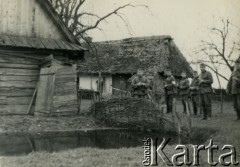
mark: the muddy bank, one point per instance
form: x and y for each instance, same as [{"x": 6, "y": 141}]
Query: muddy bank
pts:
[{"x": 42, "y": 124}]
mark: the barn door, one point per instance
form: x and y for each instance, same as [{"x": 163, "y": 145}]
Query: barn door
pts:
[
  {"x": 45, "y": 91},
  {"x": 119, "y": 82}
]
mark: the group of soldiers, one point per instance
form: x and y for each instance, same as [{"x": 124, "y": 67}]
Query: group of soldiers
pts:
[{"x": 199, "y": 90}]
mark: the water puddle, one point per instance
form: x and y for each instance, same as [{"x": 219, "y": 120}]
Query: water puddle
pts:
[{"x": 24, "y": 143}]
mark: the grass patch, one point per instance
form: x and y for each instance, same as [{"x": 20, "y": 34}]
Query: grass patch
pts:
[{"x": 222, "y": 129}]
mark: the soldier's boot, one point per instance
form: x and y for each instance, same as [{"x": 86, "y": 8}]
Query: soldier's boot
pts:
[
  {"x": 209, "y": 112},
  {"x": 201, "y": 110},
  {"x": 204, "y": 113},
  {"x": 195, "y": 110},
  {"x": 238, "y": 114},
  {"x": 170, "y": 108},
  {"x": 184, "y": 106}
]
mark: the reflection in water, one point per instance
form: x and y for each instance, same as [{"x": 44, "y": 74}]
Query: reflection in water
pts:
[{"x": 22, "y": 143}]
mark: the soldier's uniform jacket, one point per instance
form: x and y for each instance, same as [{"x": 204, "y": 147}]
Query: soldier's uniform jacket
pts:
[
  {"x": 195, "y": 86},
  {"x": 206, "y": 86},
  {"x": 170, "y": 86},
  {"x": 233, "y": 85},
  {"x": 140, "y": 90},
  {"x": 184, "y": 87}
]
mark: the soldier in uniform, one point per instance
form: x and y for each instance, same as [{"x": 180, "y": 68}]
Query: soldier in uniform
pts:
[
  {"x": 170, "y": 90},
  {"x": 205, "y": 90},
  {"x": 233, "y": 87},
  {"x": 184, "y": 91},
  {"x": 140, "y": 85},
  {"x": 194, "y": 92}
]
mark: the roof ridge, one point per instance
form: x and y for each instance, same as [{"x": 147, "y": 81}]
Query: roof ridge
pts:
[{"x": 135, "y": 39}]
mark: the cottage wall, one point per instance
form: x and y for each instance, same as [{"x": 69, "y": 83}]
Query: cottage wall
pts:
[
  {"x": 18, "y": 80},
  {"x": 65, "y": 100},
  {"x": 86, "y": 81},
  {"x": 30, "y": 30},
  {"x": 19, "y": 75}
]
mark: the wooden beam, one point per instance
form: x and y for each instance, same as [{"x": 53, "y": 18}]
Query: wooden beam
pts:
[
  {"x": 19, "y": 54},
  {"x": 13, "y": 109},
  {"x": 12, "y": 71},
  {"x": 46, "y": 60},
  {"x": 32, "y": 100},
  {"x": 19, "y": 66}
]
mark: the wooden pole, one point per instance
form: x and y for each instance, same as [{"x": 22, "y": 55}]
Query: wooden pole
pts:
[
  {"x": 78, "y": 91},
  {"x": 178, "y": 118},
  {"x": 91, "y": 88},
  {"x": 200, "y": 103},
  {"x": 100, "y": 85},
  {"x": 93, "y": 98},
  {"x": 80, "y": 101},
  {"x": 189, "y": 117},
  {"x": 220, "y": 87},
  {"x": 31, "y": 143},
  {"x": 32, "y": 100},
  {"x": 221, "y": 100}
]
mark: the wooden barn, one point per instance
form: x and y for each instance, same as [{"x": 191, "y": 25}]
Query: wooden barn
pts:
[
  {"x": 120, "y": 60},
  {"x": 37, "y": 51}
]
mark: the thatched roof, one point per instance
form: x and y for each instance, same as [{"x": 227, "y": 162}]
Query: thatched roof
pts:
[{"x": 127, "y": 55}]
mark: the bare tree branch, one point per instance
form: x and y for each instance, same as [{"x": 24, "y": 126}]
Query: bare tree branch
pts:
[
  {"x": 219, "y": 52},
  {"x": 213, "y": 47},
  {"x": 115, "y": 12},
  {"x": 73, "y": 15},
  {"x": 214, "y": 70},
  {"x": 232, "y": 50}
]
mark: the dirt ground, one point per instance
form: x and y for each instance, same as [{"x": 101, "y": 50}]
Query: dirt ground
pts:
[
  {"x": 224, "y": 124},
  {"x": 39, "y": 124},
  {"x": 24, "y": 123}
]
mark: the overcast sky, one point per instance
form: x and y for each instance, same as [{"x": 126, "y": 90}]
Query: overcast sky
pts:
[{"x": 187, "y": 21}]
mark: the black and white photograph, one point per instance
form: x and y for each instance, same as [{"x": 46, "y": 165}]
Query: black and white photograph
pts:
[{"x": 119, "y": 83}]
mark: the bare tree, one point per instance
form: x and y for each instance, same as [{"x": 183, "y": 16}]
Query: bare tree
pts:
[
  {"x": 220, "y": 52},
  {"x": 73, "y": 14}
]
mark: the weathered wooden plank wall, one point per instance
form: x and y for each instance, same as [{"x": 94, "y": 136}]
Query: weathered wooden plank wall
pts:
[
  {"x": 26, "y": 18},
  {"x": 65, "y": 91},
  {"x": 18, "y": 79},
  {"x": 19, "y": 76},
  {"x": 45, "y": 91}
]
